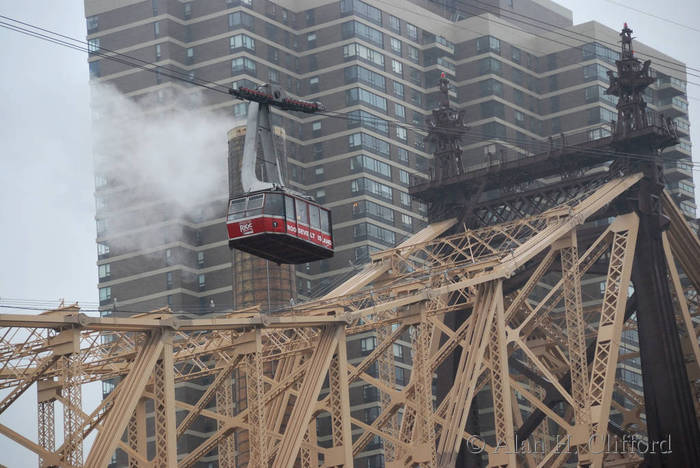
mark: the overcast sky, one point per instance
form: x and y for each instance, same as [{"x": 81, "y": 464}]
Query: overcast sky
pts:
[{"x": 46, "y": 182}]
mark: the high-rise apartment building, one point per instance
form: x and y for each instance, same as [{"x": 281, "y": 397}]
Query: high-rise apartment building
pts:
[{"x": 520, "y": 70}]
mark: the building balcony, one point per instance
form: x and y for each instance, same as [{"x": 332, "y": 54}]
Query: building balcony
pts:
[
  {"x": 440, "y": 45},
  {"x": 683, "y": 190},
  {"x": 673, "y": 107},
  {"x": 683, "y": 150},
  {"x": 678, "y": 170},
  {"x": 668, "y": 87},
  {"x": 688, "y": 208},
  {"x": 682, "y": 127}
]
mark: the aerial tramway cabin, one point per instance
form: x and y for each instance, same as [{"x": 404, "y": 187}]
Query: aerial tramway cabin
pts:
[{"x": 280, "y": 226}]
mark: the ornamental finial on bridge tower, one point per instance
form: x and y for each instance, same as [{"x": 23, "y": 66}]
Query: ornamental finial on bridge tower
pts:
[
  {"x": 444, "y": 91},
  {"x": 629, "y": 84},
  {"x": 626, "y": 36}
]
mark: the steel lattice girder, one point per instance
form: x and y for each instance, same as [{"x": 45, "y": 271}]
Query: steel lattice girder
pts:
[{"x": 522, "y": 343}]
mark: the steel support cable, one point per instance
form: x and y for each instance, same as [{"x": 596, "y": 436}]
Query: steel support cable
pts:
[
  {"x": 187, "y": 80},
  {"x": 106, "y": 56},
  {"x": 543, "y": 145},
  {"x": 104, "y": 50}
]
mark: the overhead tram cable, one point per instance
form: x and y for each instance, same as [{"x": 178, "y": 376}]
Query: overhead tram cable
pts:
[
  {"x": 153, "y": 68},
  {"x": 84, "y": 46},
  {"x": 542, "y": 145}
]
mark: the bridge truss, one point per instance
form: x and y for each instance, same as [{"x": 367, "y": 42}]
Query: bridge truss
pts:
[{"x": 532, "y": 339}]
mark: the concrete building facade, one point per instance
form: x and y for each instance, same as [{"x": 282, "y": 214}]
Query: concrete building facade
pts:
[{"x": 521, "y": 70}]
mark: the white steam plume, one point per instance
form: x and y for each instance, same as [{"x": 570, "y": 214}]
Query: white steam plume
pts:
[{"x": 160, "y": 148}]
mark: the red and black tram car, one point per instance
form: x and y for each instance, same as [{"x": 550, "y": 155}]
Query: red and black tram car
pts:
[{"x": 280, "y": 226}]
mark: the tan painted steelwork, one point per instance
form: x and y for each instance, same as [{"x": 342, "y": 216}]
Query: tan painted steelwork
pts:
[{"x": 531, "y": 333}]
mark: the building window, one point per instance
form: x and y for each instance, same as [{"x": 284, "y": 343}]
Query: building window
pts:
[
  {"x": 364, "y": 75},
  {"x": 368, "y": 142},
  {"x": 361, "y": 118},
  {"x": 373, "y": 210},
  {"x": 398, "y": 89},
  {"x": 369, "y": 393},
  {"x": 395, "y": 24},
  {"x": 490, "y": 65},
  {"x": 519, "y": 119},
  {"x": 361, "y": 30},
  {"x": 412, "y": 53},
  {"x": 396, "y": 46},
  {"x": 491, "y": 87},
  {"x": 93, "y": 45},
  {"x": 242, "y": 64},
  {"x": 493, "y": 130},
  {"x": 94, "y": 69},
  {"x": 371, "y": 414},
  {"x": 368, "y": 344},
  {"x": 488, "y": 44},
  {"x": 201, "y": 281},
  {"x": 240, "y": 109},
  {"x": 242, "y": 40},
  {"x": 310, "y": 17},
  {"x": 406, "y": 220},
  {"x": 102, "y": 249},
  {"x": 404, "y": 177},
  {"x": 515, "y": 54},
  {"x": 105, "y": 294},
  {"x": 190, "y": 55},
  {"x": 598, "y": 133},
  {"x": 492, "y": 109},
  {"x": 359, "y": 95},
  {"x": 365, "y": 163},
  {"x": 417, "y": 98},
  {"x": 273, "y": 76},
  {"x": 239, "y": 19},
  {"x": 402, "y": 375},
  {"x": 200, "y": 259},
  {"x": 371, "y": 187},
  {"x": 402, "y": 155},
  {"x": 363, "y": 53},
  {"x": 92, "y": 23},
  {"x": 104, "y": 271},
  {"x": 168, "y": 256},
  {"x": 311, "y": 40},
  {"x": 156, "y": 29},
  {"x": 101, "y": 225},
  {"x": 405, "y": 199},
  {"x": 158, "y": 54},
  {"x": 400, "y": 111},
  {"x": 412, "y": 32},
  {"x": 594, "y": 50},
  {"x": 518, "y": 76},
  {"x": 371, "y": 231},
  {"x": 401, "y": 133},
  {"x": 397, "y": 67},
  {"x": 316, "y": 129},
  {"x": 398, "y": 351},
  {"x": 169, "y": 280},
  {"x": 362, "y": 9}
]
